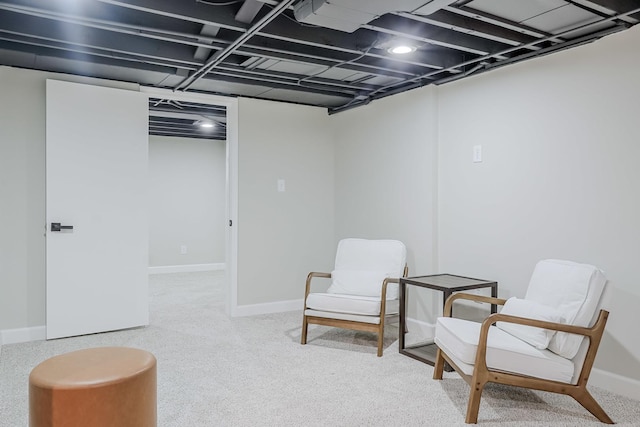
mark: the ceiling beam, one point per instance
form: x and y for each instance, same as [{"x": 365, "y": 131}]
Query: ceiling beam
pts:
[
  {"x": 230, "y": 74},
  {"x": 316, "y": 58},
  {"x": 96, "y": 38},
  {"x": 468, "y": 25},
  {"x": 618, "y": 6},
  {"x": 49, "y": 48},
  {"x": 299, "y": 80},
  {"x": 392, "y": 65},
  {"x": 496, "y": 20},
  {"x": 222, "y": 16},
  {"x": 186, "y": 115},
  {"x": 425, "y": 33}
]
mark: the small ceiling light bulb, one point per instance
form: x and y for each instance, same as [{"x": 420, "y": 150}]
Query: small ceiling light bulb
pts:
[
  {"x": 402, "y": 49},
  {"x": 206, "y": 125}
]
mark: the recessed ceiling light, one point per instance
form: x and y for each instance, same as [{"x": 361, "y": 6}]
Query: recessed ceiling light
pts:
[
  {"x": 206, "y": 125},
  {"x": 401, "y": 49}
]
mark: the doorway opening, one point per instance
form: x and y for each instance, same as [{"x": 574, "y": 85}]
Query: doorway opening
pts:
[{"x": 193, "y": 185}]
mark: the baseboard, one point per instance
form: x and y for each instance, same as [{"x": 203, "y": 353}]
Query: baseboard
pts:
[
  {"x": 424, "y": 327},
  {"x": 615, "y": 383},
  {"x": 418, "y": 332},
  {"x": 267, "y": 308},
  {"x": 15, "y": 336},
  {"x": 189, "y": 268}
]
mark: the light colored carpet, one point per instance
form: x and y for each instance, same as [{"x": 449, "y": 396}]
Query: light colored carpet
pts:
[{"x": 252, "y": 371}]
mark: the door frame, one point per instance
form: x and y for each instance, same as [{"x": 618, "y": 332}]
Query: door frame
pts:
[{"x": 231, "y": 234}]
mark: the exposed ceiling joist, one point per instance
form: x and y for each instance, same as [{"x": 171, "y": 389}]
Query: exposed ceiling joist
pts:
[{"x": 256, "y": 48}]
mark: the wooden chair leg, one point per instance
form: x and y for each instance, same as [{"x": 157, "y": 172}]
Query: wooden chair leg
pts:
[
  {"x": 589, "y": 403},
  {"x": 305, "y": 325},
  {"x": 380, "y": 339},
  {"x": 438, "y": 366},
  {"x": 474, "y": 402}
]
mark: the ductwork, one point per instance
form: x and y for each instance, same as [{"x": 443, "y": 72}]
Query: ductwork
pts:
[{"x": 349, "y": 15}]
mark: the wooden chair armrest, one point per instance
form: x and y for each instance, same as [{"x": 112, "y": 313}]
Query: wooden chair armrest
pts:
[
  {"x": 385, "y": 283},
  {"x": 316, "y": 274},
  {"x": 383, "y": 294},
  {"x": 580, "y": 330},
  {"x": 308, "y": 284},
  {"x": 594, "y": 333},
  {"x": 471, "y": 297}
]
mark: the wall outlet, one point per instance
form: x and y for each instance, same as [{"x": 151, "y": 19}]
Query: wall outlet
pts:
[
  {"x": 281, "y": 185},
  {"x": 183, "y": 249}
]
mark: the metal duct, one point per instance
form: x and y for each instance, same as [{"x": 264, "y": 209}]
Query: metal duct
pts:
[{"x": 349, "y": 15}]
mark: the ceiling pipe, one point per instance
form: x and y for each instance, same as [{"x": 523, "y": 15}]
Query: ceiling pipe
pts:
[
  {"x": 467, "y": 73},
  {"x": 224, "y": 53}
]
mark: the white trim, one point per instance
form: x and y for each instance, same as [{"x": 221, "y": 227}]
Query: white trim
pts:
[
  {"x": 615, "y": 383},
  {"x": 232, "y": 208},
  {"x": 189, "y": 268},
  {"x": 269, "y": 307},
  {"x": 15, "y": 336}
]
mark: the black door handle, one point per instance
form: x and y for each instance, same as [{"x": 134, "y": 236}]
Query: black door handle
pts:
[{"x": 55, "y": 226}]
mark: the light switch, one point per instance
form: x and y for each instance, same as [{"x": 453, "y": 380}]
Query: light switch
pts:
[
  {"x": 281, "y": 185},
  {"x": 477, "y": 153}
]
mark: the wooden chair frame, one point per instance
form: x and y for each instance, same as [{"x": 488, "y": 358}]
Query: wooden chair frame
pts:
[
  {"x": 349, "y": 324},
  {"x": 482, "y": 374}
]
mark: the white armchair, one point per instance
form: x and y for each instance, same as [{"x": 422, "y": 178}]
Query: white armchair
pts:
[
  {"x": 363, "y": 291},
  {"x": 546, "y": 341}
]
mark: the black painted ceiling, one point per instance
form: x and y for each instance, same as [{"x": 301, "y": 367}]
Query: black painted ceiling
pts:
[{"x": 258, "y": 48}]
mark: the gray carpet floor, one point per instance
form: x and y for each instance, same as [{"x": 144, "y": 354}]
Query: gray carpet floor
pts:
[{"x": 252, "y": 371}]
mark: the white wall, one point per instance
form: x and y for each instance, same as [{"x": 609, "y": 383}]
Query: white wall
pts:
[
  {"x": 386, "y": 174},
  {"x": 22, "y": 194},
  {"x": 386, "y": 185},
  {"x": 558, "y": 180},
  {"x": 282, "y": 236},
  {"x": 187, "y": 201},
  {"x": 559, "y": 177}
]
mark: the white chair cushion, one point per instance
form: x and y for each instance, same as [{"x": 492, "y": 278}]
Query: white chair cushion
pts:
[
  {"x": 374, "y": 255},
  {"x": 573, "y": 289},
  {"x": 459, "y": 338},
  {"x": 362, "y": 282},
  {"x": 352, "y": 304},
  {"x": 537, "y": 337}
]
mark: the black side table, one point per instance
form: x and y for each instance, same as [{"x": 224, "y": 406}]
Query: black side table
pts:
[{"x": 447, "y": 284}]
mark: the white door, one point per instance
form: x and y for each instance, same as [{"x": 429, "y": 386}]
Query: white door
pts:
[{"x": 96, "y": 172}]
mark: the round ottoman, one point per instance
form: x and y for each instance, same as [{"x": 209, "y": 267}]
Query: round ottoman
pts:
[{"x": 95, "y": 387}]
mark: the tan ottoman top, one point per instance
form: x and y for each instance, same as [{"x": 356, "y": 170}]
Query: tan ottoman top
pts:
[{"x": 91, "y": 367}]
